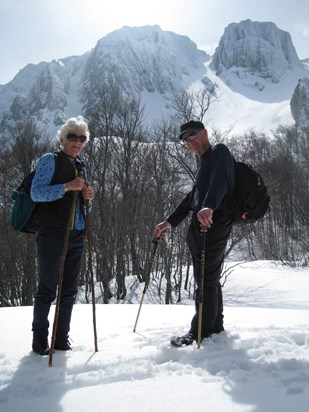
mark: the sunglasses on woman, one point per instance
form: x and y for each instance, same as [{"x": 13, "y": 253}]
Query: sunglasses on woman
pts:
[{"x": 72, "y": 137}]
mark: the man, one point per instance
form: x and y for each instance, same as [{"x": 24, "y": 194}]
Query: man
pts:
[{"x": 215, "y": 179}]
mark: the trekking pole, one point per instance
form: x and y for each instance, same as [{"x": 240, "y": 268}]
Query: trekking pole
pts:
[
  {"x": 155, "y": 241},
  {"x": 201, "y": 287},
  {"x": 90, "y": 268},
  {"x": 64, "y": 252}
]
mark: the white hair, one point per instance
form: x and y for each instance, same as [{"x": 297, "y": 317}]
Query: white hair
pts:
[{"x": 73, "y": 124}]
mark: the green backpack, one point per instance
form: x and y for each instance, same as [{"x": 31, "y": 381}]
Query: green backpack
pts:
[{"x": 24, "y": 208}]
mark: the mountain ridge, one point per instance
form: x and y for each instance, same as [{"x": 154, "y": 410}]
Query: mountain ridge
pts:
[{"x": 155, "y": 65}]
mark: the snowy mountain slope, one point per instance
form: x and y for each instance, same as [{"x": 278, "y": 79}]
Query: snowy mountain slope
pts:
[
  {"x": 235, "y": 112},
  {"x": 255, "y": 65}
]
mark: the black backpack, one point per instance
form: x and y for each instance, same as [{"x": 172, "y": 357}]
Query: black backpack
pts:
[
  {"x": 24, "y": 208},
  {"x": 249, "y": 201}
]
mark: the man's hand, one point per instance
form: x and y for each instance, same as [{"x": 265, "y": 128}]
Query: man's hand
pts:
[
  {"x": 204, "y": 216},
  {"x": 161, "y": 228}
]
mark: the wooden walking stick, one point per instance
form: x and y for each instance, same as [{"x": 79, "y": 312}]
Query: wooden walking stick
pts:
[
  {"x": 64, "y": 252},
  {"x": 201, "y": 288},
  {"x": 90, "y": 269}
]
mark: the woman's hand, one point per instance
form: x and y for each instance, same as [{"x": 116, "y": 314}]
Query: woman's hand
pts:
[{"x": 88, "y": 193}]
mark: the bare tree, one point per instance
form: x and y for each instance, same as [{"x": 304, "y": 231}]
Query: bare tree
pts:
[
  {"x": 17, "y": 254},
  {"x": 193, "y": 105}
]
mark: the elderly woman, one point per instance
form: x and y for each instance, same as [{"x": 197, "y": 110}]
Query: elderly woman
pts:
[{"x": 58, "y": 176}]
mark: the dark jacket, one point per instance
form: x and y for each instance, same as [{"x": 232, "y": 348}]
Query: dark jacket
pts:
[
  {"x": 57, "y": 213},
  {"x": 215, "y": 179}
]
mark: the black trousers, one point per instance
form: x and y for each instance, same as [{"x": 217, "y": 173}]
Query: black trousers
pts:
[
  {"x": 215, "y": 244},
  {"x": 50, "y": 242}
]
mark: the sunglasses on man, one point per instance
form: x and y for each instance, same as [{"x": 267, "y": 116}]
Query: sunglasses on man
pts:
[
  {"x": 72, "y": 137},
  {"x": 189, "y": 138}
]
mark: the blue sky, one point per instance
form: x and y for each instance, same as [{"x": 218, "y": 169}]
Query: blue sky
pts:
[{"x": 42, "y": 30}]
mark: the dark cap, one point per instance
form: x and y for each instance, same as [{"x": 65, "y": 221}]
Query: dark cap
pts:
[{"x": 191, "y": 126}]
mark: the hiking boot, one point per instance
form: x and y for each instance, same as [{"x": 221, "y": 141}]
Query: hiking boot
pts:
[
  {"x": 62, "y": 342},
  {"x": 40, "y": 345},
  {"x": 184, "y": 340}
]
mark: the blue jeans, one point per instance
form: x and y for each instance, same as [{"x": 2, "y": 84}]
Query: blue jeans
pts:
[{"x": 50, "y": 242}]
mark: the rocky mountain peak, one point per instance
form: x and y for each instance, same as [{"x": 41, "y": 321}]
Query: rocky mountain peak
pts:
[{"x": 255, "y": 49}]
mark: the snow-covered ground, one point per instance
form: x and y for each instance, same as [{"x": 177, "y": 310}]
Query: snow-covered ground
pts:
[{"x": 260, "y": 364}]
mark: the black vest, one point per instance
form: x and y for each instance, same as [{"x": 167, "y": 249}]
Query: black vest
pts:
[{"x": 57, "y": 213}]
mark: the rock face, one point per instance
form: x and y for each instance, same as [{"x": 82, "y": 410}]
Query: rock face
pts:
[
  {"x": 141, "y": 61},
  {"x": 255, "y": 49},
  {"x": 300, "y": 103}
]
